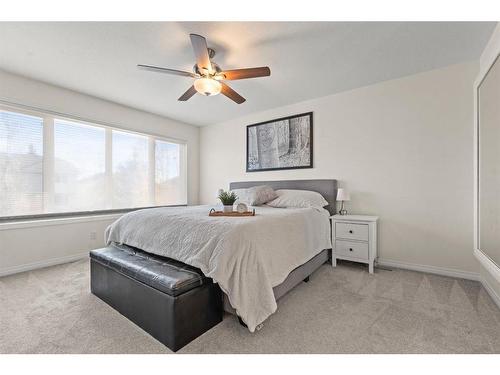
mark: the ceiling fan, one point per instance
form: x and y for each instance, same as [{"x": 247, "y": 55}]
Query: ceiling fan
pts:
[{"x": 208, "y": 75}]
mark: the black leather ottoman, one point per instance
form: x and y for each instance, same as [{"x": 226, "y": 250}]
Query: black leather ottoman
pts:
[{"x": 173, "y": 302}]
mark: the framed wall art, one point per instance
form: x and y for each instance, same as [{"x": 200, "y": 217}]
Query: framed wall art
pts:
[{"x": 283, "y": 143}]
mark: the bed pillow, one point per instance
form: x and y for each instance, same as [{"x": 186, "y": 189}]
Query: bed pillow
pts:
[
  {"x": 256, "y": 195},
  {"x": 298, "y": 199}
]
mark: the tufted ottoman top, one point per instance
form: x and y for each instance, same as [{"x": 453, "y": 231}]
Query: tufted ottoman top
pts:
[{"x": 164, "y": 274}]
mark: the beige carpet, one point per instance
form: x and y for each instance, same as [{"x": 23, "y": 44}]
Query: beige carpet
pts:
[{"x": 341, "y": 310}]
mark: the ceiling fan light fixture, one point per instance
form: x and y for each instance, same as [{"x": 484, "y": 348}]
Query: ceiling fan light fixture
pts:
[
  {"x": 207, "y": 86},
  {"x": 208, "y": 75}
]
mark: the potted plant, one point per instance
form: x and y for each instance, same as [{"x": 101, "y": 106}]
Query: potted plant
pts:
[{"x": 228, "y": 198}]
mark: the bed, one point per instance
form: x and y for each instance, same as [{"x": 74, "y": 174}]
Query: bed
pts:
[{"x": 254, "y": 260}]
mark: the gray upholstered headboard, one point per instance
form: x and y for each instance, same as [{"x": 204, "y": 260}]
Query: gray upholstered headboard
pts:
[{"x": 327, "y": 188}]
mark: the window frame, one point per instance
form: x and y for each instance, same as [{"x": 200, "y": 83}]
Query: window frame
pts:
[{"x": 49, "y": 118}]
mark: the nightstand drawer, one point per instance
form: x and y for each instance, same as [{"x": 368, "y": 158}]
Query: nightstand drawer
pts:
[
  {"x": 351, "y": 231},
  {"x": 352, "y": 249}
]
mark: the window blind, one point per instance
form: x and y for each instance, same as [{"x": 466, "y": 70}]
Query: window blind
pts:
[
  {"x": 21, "y": 164},
  {"x": 51, "y": 165}
]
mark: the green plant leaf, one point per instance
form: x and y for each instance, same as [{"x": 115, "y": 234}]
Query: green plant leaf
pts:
[{"x": 228, "y": 198}]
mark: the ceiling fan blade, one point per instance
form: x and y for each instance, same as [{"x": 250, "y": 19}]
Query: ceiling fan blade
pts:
[
  {"x": 262, "y": 71},
  {"x": 188, "y": 94},
  {"x": 201, "y": 52},
  {"x": 231, "y": 94},
  {"x": 166, "y": 70}
]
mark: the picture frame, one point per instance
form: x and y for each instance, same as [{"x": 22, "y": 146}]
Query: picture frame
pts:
[{"x": 280, "y": 144}]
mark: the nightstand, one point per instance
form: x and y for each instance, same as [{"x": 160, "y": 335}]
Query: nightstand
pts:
[{"x": 354, "y": 238}]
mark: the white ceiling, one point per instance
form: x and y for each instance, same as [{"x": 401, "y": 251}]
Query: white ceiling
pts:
[{"x": 307, "y": 59}]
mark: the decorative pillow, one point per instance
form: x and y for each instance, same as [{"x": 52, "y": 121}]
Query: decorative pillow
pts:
[
  {"x": 256, "y": 195},
  {"x": 298, "y": 199}
]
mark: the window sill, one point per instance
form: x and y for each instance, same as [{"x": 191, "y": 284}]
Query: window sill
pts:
[
  {"x": 64, "y": 219},
  {"x": 55, "y": 221}
]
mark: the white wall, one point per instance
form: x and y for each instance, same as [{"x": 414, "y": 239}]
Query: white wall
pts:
[
  {"x": 402, "y": 147},
  {"x": 491, "y": 280},
  {"x": 34, "y": 246},
  {"x": 23, "y": 248}
]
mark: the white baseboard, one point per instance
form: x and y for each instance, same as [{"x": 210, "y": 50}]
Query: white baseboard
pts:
[
  {"x": 451, "y": 272},
  {"x": 42, "y": 264},
  {"x": 494, "y": 296},
  {"x": 488, "y": 264}
]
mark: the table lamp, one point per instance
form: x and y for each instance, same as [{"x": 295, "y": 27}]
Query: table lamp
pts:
[{"x": 343, "y": 195}]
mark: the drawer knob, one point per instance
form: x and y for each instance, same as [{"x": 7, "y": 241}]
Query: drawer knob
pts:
[
  {"x": 350, "y": 249},
  {"x": 350, "y": 231}
]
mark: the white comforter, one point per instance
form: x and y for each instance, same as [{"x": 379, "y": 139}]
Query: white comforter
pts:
[{"x": 246, "y": 256}]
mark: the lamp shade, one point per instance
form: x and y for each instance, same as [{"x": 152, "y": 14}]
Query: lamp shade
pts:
[
  {"x": 343, "y": 195},
  {"x": 207, "y": 86}
]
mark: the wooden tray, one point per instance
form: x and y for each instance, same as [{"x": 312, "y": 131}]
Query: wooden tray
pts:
[{"x": 232, "y": 214}]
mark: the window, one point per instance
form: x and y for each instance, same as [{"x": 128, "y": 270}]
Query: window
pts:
[
  {"x": 130, "y": 170},
  {"x": 169, "y": 179},
  {"x": 51, "y": 165},
  {"x": 21, "y": 164},
  {"x": 79, "y": 167}
]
